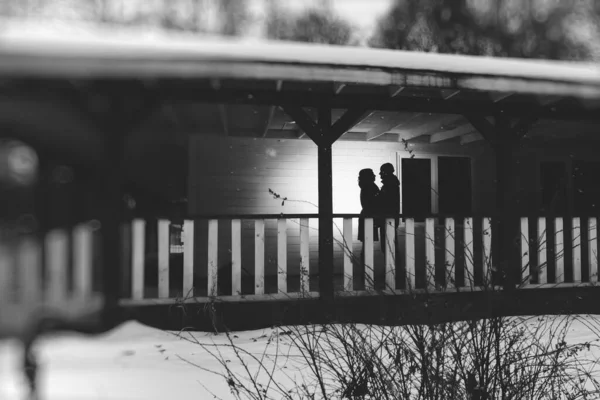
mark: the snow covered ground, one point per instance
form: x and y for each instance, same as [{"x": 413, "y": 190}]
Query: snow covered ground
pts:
[
  {"x": 131, "y": 362},
  {"x": 138, "y": 362}
]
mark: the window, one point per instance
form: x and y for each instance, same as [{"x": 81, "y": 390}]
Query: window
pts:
[{"x": 451, "y": 185}]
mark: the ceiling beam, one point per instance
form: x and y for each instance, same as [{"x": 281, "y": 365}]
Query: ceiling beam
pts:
[
  {"x": 470, "y": 138},
  {"x": 378, "y": 102},
  {"x": 450, "y": 134},
  {"x": 271, "y": 112},
  {"x": 497, "y": 97},
  {"x": 447, "y": 94},
  {"x": 305, "y": 122},
  {"x": 346, "y": 122},
  {"x": 546, "y": 101},
  {"x": 395, "y": 90},
  {"x": 359, "y": 121},
  {"x": 338, "y": 87},
  {"x": 431, "y": 125},
  {"x": 396, "y": 121},
  {"x": 483, "y": 126}
]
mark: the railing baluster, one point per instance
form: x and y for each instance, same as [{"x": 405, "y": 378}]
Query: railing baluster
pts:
[
  {"x": 410, "y": 254},
  {"x": 6, "y": 273},
  {"x": 29, "y": 268},
  {"x": 304, "y": 255},
  {"x": 138, "y": 231},
  {"x": 486, "y": 232},
  {"x": 368, "y": 251},
  {"x": 164, "y": 249},
  {"x": 449, "y": 254},
  {"x": 559, "y": 250},
  {"x": 576, "y": 237},
  {"x": 525, "y": 273},
  {"x": 56, "y": 262},
  {"x": 593, "y": 249},
  {"x": 126, "y": 257},
  {"x": 82, "y": 257},
  {"x": 236, "y": 257},
  {"x": 430, "y": 253},
  {"x": 188, "y": 258},
  {"x": 468, "y": 252},
  {"x": 282, "y": 255},
  {"x": 542, "y": 257},
  {"x": 390, "y": 253},
  {"x": 348, "y": 250},
  {"x": 213, "y": 257},
  {"x": 259, "y": 256}
]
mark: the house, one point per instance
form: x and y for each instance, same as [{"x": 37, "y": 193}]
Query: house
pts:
[{"x": 264, "y": 142}]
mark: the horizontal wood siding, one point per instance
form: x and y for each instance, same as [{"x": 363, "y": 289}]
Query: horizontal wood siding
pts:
[{"x": 233, "y": 176}]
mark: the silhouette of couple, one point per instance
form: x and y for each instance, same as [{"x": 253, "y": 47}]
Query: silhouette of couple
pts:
[{"x": 382, "y": 202}]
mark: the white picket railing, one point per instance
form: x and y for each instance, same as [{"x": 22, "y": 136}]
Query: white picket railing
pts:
[
  {"x": 471, "y": 267},
  {"x": 35, "y": 271},
  {"x": 35, "y": 278},
  {"x": 560, "y": 245}
]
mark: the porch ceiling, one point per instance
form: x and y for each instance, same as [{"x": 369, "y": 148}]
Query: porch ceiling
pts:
[{"x": 259, "y": 121}]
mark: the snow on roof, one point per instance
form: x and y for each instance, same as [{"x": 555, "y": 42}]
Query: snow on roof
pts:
[{"x": 115, "y": 49}]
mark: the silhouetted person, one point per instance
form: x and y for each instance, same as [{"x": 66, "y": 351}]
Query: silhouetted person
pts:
[
  {"x": 388, "y": 200},
  {"x": 368, "y": 202}
]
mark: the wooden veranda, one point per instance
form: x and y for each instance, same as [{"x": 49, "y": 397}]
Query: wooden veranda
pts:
[{"x": 80, "y": 98}]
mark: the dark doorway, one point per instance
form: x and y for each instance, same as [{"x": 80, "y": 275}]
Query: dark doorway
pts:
[
  {"x": 416, "y": 187},
  {"x": 454, "y": 185}
]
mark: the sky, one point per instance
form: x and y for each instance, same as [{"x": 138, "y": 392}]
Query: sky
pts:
[{"x": 363, "y": 14}]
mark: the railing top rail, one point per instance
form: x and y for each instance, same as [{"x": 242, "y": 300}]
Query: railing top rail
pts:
[
  {"x": 376, "y": 216},
  {"x": 315, "y": 216}
]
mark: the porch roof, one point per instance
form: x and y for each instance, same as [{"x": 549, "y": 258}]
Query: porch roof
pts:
[
  {"x": 232, "y": 87},
  {"x": 102, "y": 52}
]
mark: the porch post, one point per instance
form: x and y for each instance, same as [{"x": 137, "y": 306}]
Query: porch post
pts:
[
  {"x": 324, "y": 134},
  {"x": 505, "y": 138},
  {"x": 116, "y": 109},
  {"x": 326, "y": 287},
  {"x": 507, "y": 221},
  {"x": 111, "y": 217}
]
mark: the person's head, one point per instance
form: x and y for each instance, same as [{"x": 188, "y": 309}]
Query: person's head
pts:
[
  {"x": 386, "y": 170},
  {"x": 366, "y": 176}
]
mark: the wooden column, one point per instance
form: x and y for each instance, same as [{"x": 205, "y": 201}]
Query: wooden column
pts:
[
  {"x": 116, "y": 109},
  {"x": 506, "y": 224},
  {"x": 326, "y": 286},
  {"x": 505, "y": 138},
  {"x": 324, "y": 134},
  {"x": 111, "y": 216}
]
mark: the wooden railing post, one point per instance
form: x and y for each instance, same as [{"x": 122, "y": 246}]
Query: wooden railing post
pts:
[
  {"x": 593, "y": 249},
  {"x": 348, "y": 248},
  {"x": 542, "y": 255},
  {"x": 368, "y": 255},
  {"x": 525, "y": 267},
  {"x": 576, "y": 243},
  {"x": 559, "y": 250}
]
